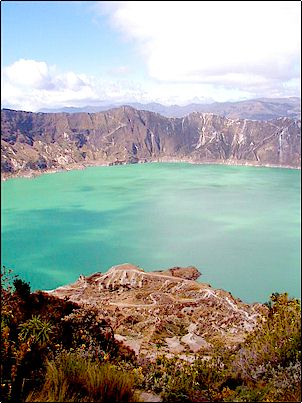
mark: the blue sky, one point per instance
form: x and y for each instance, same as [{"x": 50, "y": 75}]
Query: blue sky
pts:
[
  {"x": 59, "y": 53},
  {"x": 63, "y": 33}
]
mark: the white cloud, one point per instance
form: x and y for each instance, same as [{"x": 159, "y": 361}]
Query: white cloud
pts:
[
  {"x": 28, "y": 73},
  {"x": 218, "y": 50},
  {"x": 208, "y": 50},
  {"x": 251, "y": 46},
  {"x": 31, "y": 85}
]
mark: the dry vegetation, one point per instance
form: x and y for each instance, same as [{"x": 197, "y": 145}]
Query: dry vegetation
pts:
[{"x": 55, "y": 350}]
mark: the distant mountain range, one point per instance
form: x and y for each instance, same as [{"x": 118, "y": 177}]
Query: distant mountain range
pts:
[
  {"x": 254, "y": 109},
  {"x": 36, "y": 142}
]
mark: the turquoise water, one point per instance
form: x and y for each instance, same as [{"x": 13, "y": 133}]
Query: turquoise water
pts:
[{"x": 239, "y": 225}]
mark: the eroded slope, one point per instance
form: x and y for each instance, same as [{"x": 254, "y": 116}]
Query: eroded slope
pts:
[{"x": 166, "y": 311}]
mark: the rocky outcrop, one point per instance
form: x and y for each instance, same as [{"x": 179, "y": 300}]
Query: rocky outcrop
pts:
[
  {"x": 38, "y": 142},
  {"x": 189, "y": 273},
  {"x": 164, "y": 312}
]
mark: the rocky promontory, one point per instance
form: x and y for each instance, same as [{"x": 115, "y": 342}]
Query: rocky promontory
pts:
[{"x": 164, "y": 312}]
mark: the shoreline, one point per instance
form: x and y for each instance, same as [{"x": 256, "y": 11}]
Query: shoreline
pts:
[{"x": 78, "y": 166}]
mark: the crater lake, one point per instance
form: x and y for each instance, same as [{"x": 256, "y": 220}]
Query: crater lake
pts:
[{"x": 239, "y": 225}]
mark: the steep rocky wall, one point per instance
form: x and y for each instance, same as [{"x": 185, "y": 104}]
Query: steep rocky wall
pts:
[{"x": 43, "y": 141}]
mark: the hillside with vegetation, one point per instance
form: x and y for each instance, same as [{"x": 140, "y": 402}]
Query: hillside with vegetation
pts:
[{"x": 56, "y": 350}]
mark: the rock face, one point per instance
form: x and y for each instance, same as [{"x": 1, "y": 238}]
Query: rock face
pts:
[
  {"x": 36, "y": 142},
  {"x": 161, "y": 313}
]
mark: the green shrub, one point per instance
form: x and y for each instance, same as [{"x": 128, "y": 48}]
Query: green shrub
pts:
[
  {"x": 72, "y": 378},
  {"x": 36, "y": 329},
  {"x": 276, "y": 340},
  {"x": 22, "y": 289},
  {"x": 178, "y": 380},
  {"x": 248, "y": 394}
]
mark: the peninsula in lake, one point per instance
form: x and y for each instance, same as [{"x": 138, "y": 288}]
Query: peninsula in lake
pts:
[
  {"x": 40, "y": 142},
  {"x": 166, "y": 311}
]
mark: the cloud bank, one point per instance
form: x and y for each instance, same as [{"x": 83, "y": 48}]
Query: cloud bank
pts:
[
  {"x": 251, "y": 46},
  {"x": 191, "y": 50},
  {"x": 31, "y": 84}
]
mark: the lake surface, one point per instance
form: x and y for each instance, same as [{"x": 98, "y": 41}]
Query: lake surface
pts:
[{"x": 240, "y": 226}]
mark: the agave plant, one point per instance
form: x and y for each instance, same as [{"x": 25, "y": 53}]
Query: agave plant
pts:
[{"x": 37, "y": 329}]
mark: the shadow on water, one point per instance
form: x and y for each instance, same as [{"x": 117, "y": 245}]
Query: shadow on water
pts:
[
  {"x": 51, "y": 245},
  {"x": 87, "y": 188}
]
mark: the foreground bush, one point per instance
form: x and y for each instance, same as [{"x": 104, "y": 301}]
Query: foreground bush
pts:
[
  {"x": 30, "y": 324},
  {"x": 266, "y": 367},
  {"x": 275, "y": 342},
  {"x": 72, "y": 378},
  {"x": 268, "y": 363},
  {"x": 37, "y": 327}
]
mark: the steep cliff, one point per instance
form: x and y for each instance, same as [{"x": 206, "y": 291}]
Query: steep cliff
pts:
[{"x": 44, "y": 141}]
